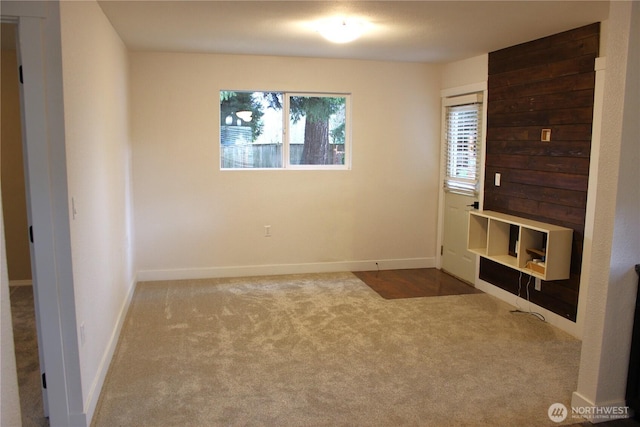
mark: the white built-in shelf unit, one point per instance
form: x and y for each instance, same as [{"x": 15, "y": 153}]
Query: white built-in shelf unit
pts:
[{"x": 532, "y": 247}]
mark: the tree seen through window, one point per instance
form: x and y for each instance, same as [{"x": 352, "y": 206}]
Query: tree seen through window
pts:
[{"x": 252, "y": 129}]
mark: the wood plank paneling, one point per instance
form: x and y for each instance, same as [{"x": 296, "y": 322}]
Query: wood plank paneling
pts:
[
  {"x": 575, "y": 99},
  {"x": 565, "y": 84},
  {"x": 576, "y": 199},
  {"x": 578, "y": 165},
  {"x": 535, "y": 148},
  {"x": 547, "y": 71},
  {"x": 547, "y": 49},
  {"x": 558, "y": 294},
  {"x": 544, "y": 84},
  {"x": 570, "y": 132},
  {"x": 553, "y": 117}
]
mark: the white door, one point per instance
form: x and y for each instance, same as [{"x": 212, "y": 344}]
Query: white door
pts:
[
  {"x": 11, "y": 28},
  {"x": 37, "y": 291},
  {"x": 48, "y": 216},
  {"x": 43, "y": 143},
  {"x": 462, "y": 139},
  {"x": 456, "y": 259}
]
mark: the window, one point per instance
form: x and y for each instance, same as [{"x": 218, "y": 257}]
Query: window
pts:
[
  {"x": 271, "y": 130},
  {"x": 463, "y": 133}
]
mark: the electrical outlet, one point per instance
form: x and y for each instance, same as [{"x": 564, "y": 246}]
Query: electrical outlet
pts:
[
  {"x": 538, "y": 284},
  {"x": 497, "y": 179},
  {"x": 267, "y": 231}
]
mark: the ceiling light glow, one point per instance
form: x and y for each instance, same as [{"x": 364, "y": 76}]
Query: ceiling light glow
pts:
[{"x": 340, "y": 30}]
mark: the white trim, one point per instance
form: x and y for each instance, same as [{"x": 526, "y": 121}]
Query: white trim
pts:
[
  {"x": 472, "y": 98},
  {"x": 441, "y": 193},
  {"x": 460, "y": 113},
  {"x": 279, "y": 269},
  {"x": 96, "y": 387},
  {"x": 287, "y": 134},
  {"x": 33, "y": 9},
  {"x": 550, "y": 317},
  {"x": 469, "y": 89},
  {"x": 579, "y": 401},
  {"x": 26, "y": 282},
  {"x": 463, "y": 90},
  {"x": 40, "y": 211},
  {"x": 483, "y": 150},
  {"x": 45, "y": 159},
  {"x": 598, "y": 100}
]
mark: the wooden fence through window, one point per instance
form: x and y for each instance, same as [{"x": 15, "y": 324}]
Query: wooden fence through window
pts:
[{"x": 241, "y": 156}]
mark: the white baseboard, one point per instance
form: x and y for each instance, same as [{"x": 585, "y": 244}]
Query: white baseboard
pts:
[
  {"x": 278, "y": 269},
  {"x": 583, "y": 407},
  {"x": 578, "y": 400},
  {"x": 27, "y": 282},
  {"x": 103, "y": 368},
  {"x": 78, "y": 419},
  {"x": 552, "y": 318}
]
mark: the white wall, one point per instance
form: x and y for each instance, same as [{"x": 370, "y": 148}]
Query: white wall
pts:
[
  {"x": 193, "y": 220},
  {"x": 95, "y": 74},
  {"x": 616, "y": 227},
  {"x": 465, "y": 72}
]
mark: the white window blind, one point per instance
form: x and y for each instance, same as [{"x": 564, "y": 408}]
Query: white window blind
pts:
[{"x": 463, "y": 127}]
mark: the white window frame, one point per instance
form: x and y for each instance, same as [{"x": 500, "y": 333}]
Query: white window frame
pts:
[
  {"x": 454, "y": 184},
  {"x": 347, "y": 132},
  {"x": 286, "y": 164}
]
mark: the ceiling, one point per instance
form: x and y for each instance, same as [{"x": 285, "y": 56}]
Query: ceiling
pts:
[{"x": 416, "y": 31}]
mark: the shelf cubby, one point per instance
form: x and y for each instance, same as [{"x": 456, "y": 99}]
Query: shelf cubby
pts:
[
  {"x": 532, "y": 247},
  {"x": 478, "y": 241}
]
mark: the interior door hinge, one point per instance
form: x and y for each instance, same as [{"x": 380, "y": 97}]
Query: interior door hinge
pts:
[
  {"x": 44, "y": 380},
  {"x": 20, "y": 71},
  {"x": 31, "y": 233},
  {"x": 442, "y": 250}
]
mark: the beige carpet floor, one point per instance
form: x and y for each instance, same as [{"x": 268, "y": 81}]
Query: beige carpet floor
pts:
[{"x": 326, "y": 350}]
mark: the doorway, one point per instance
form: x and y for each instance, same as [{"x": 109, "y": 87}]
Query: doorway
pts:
[
  {"x": 40, "y": 53},
  {"x": 13, "y": 192},
  {"x": 462, "y": 167}
]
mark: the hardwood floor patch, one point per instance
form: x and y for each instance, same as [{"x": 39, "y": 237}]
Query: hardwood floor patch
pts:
[{"x": 414, "y": 283}]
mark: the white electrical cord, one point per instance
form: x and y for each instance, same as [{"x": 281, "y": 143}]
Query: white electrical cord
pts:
[{"x": 520, "y": 310}]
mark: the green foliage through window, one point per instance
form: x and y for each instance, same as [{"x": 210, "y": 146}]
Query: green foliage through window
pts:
[{"x": 279, "y": 130}]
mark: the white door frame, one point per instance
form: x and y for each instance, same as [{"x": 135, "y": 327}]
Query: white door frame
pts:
[
  {"x": 39, "y": 49},
  {"x": 446, "y": 93}
]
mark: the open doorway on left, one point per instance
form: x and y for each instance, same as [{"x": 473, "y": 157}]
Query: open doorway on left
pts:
[{"x": 17, "y": 236}]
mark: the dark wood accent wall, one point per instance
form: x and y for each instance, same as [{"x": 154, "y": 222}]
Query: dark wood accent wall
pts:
[{"x": 543, "y": 84}]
